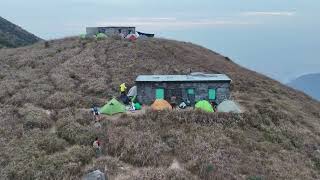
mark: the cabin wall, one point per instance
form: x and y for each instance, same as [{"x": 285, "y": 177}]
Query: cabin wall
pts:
[
  {"x": 110, "y": 30},
  {"x": 92, "y": 31},
  {"x": 146, "y": 90}
]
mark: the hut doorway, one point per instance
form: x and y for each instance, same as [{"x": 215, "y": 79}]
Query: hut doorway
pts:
[{"x": 191, "y": 95}]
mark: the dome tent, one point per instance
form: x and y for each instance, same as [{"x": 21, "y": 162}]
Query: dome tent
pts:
[
  {"x": 113, "y": 107},
  {"x": 95, "y": 175},
  {"x": 228, "y": 106},
  {"x": 101, "y": 36},
  {"x": 132, "y": 37},
  {"x": 133, "y": 91},
  {"x": 160, "y": 105},
  {"x": 204, "y": 106}
]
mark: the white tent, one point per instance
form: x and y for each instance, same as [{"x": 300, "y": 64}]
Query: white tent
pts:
[
  {"x": 132, "y": 36},
  {"x": 132, "y": 92},
  {"x": 228, "y": 106},
  {"x": 95, "y": 175}
]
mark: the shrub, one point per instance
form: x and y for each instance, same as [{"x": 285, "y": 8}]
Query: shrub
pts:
[
  {"x": 51, "y": 144},
  {"x": 138, "y": 148},
  {"x": 60, "y": 100},
  {"x": 162, "y": 173},
  {"x": 75, "y": 133},
  {"x": 34, "y": 117}
]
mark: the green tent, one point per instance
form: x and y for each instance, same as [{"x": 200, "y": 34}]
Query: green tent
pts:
[
  {"x": 204, "y": 105},
  {"x": 101, "y": 36},
  {"x": 82, "y": 36},
  {"x": 113, "y": 107}
]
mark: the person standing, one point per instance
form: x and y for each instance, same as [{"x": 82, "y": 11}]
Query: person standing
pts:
[
  {"x": 173, "y": 102},
  {"x": 95, "y": 112},
  {"x": 123, "y": 88},
  {"x": 97, "y": 147}
]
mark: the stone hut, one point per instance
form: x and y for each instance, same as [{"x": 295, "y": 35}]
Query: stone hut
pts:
[
  {"x": 193, "y": 87},
  {"x": 111, "y": 30}
]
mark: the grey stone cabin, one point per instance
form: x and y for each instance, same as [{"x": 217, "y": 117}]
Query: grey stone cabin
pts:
[
  {"x": 193, "y": 87},
  {"x": 111, "y": 30}
]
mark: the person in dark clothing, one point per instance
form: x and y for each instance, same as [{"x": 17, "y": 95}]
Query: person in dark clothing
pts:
[
  {"x": 173, "y": 102},
  {"x": 214, "y": 105},
  {"x": 95, "y": 112}
]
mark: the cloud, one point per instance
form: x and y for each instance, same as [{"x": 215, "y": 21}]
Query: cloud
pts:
[
  {"x": 269, "y": 13},
  {"x": 170, "y": 22}
]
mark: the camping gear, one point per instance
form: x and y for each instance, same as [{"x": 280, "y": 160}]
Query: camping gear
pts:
[
  {"x": 160, "y": 105},
  {"x": 101, "y": 36},
  {"x": 183, "y": 105},
  {"x": 95, "y": 175},
  {"x": 124, "y": 99},
  {"x": 145, "y": 34},
  {"x": 204, "y": 106},
  {"x": 132, "y": 37},
  {"x": 228, "y": 106},
  {"x": 137, "y": 106},
  {"x": 133, "y": 91},
  {"x": 113, "y": 107}
]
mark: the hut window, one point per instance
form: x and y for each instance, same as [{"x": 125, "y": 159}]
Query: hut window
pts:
[
  {"x": 190, "y": 91},
  {"x": 159, "y": 93},
  {"x": 212, "y": 94}
]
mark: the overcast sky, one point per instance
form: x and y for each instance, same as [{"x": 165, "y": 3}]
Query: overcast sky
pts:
[{"x": 279, "y": 38}]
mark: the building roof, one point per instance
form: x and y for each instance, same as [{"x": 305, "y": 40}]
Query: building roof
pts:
[
  {"x": 194, "y": 77},
  {"x": 113, "y": 27}
]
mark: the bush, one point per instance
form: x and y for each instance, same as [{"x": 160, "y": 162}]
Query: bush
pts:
[
  {"x": 61, "y": 100},
  {"x": 75, "y": 133},
  {"x": 138, "y": 148},
  {"x": 34, "y": 117},
  {"x": 51, "y": 144},
  {"x": 162, "y": 173}
]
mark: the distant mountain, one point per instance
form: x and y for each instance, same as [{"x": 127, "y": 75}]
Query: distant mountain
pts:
[
  {"x": 309, "y": 84},
  {"x": 12, "y": 35}
]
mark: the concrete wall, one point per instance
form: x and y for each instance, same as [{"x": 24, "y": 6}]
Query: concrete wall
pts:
[
  {"x": 110, "y": 30},
  {"x": 146, "y": 90},
  {"x": 92, "y": 31},
  {"x": 124, "y": 31}
]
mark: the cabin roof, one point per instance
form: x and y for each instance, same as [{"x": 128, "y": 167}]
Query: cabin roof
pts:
[
  {"x": 194, "y": 77},
  {"x": 113, "y": 27}
]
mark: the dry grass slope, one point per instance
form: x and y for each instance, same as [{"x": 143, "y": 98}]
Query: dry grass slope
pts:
[{"x": 45, "y": 132}]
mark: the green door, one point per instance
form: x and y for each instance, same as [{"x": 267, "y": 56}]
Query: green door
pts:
[
  {"x": 212, "y": 94},
  {"x": 191, "y": 96},
  {"x": 160, "y": 93}
]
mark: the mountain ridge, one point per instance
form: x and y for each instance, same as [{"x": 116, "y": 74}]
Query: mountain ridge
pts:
[{"x": 12, "y": 35}]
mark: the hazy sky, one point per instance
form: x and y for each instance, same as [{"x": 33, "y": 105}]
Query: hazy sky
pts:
[{"x": 279, "y": 38}]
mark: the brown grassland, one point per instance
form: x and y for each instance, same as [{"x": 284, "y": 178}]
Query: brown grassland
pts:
[{"x": 46, "y": 130}]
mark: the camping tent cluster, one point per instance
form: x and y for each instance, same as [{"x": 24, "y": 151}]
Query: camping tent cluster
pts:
[{"x": 115, "y": 106}]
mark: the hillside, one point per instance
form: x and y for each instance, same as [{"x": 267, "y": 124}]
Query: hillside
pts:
[
  {"x": 46, "y": 131},
  {"x": 12, "y": 35},
  {"x": 310, "y": 84}
]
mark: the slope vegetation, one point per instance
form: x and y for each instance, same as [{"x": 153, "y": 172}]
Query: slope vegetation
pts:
[
  {"x": 12, "y": 35},
  {"x": 46, "y": 131}
]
